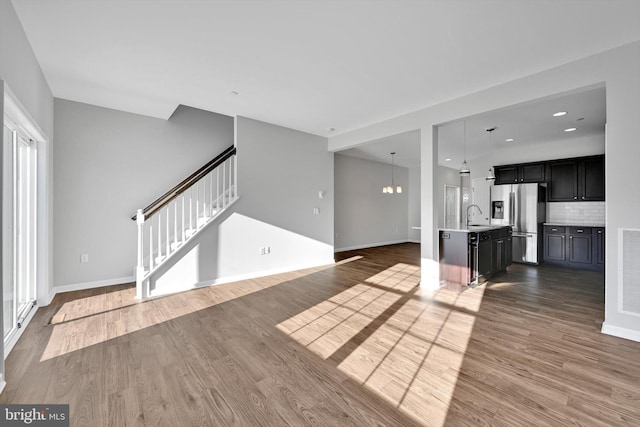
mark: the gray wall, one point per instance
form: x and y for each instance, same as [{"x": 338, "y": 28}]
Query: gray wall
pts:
[
  {"x": 364, "y": 215},
  {"x": 109, "y": 163},
  {"x": 20, "y": 70},
  {"x": 280, "y": 174}
]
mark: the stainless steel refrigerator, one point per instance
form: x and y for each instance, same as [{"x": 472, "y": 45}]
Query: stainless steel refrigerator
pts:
[{"x": 522, "y": 206}]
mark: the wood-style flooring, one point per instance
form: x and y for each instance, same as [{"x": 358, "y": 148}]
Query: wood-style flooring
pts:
[{"x": 355, "y": 344}]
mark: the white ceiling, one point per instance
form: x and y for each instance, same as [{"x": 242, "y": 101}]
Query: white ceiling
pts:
[
  {"x": 528, "y": 124},
  {"x": 308, "y": 65}
]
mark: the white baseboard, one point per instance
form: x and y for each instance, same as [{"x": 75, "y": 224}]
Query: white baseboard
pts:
[
  {"x": 617, "y": 331},
  {"x": 89, "y": 285},
  {"x": 52, "y": 294},
  {"x": 253, "y": 275},
  {"x": 414, "y": 241},
  {"x": 371, "y": 245}
]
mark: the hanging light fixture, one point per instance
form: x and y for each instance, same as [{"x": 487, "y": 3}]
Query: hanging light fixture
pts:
[
  {"x": 464, "y": 168},
  {"x": 388, "y": 189},
  {"x": 491, "y": 176}
]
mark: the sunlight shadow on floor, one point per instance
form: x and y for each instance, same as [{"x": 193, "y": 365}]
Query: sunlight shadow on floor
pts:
[{"x": 401, "y": 342}]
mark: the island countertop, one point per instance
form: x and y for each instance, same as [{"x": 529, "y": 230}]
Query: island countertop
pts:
[{"x": 474, "y": 228}]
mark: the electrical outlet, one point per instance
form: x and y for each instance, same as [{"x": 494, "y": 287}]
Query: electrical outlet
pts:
[
  {"x": 316, "y": 211},
  {"x": 267, "y": 250},
  {"x": 84, "y": 258}
]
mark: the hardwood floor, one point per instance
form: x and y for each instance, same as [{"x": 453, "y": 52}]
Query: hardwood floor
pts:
[{"x": 356, "y": 344}]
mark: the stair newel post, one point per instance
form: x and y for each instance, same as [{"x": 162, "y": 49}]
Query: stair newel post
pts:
[{"x": 141, "y": 292}]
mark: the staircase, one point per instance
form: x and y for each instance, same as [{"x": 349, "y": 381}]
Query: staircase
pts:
[{"x": 167, "y": 224}]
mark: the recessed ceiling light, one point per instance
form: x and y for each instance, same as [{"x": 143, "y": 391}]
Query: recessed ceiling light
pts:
[
  {"x": 447, "y": 160},
  {"x": 559, "y": 113},
  {"x": 509, "y": 140},
  {"x": 233, "y": 92},
  {"x": 570, "y": 129}
]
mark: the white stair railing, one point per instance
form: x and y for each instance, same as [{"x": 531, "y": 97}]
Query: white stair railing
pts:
[{"x": 165, "y": 226}]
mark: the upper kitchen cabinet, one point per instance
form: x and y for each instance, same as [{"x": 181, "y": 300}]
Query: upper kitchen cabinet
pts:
[
  {"x": 591, "y": 179},
  {"x": 562, "y": 177},
  {"x": 576, "y": 180},
  {"x": 515, "y": 174}
]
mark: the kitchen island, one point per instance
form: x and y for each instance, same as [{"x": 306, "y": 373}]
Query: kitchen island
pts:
[{"x": 471, "y": 255}]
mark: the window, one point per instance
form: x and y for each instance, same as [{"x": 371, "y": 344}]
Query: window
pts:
[{"x": 19, "y": 219}]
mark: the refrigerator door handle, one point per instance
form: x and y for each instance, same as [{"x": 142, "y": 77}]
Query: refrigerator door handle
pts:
[{"x": 512, "y": 211}]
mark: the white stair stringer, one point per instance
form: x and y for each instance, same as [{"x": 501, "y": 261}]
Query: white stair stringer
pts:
[{"x": 177, "y": 246}]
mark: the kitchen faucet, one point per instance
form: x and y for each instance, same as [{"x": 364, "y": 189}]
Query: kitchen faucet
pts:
[{"x": 469, "y": 207}]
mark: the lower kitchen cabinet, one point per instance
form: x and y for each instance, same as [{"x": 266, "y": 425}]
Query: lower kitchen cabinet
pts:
[
  {"x": 576, "y": 247},
  {"x": 580, "y": 249},
  {"x": 554, "y": 244}
]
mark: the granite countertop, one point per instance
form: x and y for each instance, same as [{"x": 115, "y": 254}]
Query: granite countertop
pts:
[
  {"x": 573, "y": 224},
  {"x": 474, "y": 228}
]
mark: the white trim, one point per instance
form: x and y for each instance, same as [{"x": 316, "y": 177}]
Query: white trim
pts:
[
  {"x": 89, "y": 285},
  {"x": 414, "y": 241},
  {"x": 3, "y": 384},
  {"x": 52, "y": 294},
  {"x": 617, "y": 331},
  {"x": 373, "y": 245},
  {"x": 15, "y": 336},
  {"x": 254, "y": 275},
  {"x": 20, "y": 115}
]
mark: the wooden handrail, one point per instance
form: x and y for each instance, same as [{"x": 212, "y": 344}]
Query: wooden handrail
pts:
[{"x": 187, "y": 183}]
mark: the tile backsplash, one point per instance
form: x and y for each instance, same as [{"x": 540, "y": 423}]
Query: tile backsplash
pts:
[{"x": 576, "y": 212}]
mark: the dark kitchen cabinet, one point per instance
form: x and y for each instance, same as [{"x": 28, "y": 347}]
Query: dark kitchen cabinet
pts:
[
  {"x": 580, "y": 179},
  {"x": 598, "y": 245},
  {"x": 506, "y": 174},
  {"x": 580, "y": 249},
  {"x": 501, "y": 250},
  {"x": 591, "y": 179},
  {"x": 563, "y": 181},
  {"x": 576, "y": 247},
  {"x": 498, "y": 261},
  {"x": 508, "y": 252},
  {"x": 554, "y": 243},
  {"x": 516, "y": 174}
]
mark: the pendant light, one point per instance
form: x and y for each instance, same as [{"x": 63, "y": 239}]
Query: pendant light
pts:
[
  {"x": 388, "y": 189},
  {"x": 464, "y": 168},
  {"x": 491, "y": 176}
]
